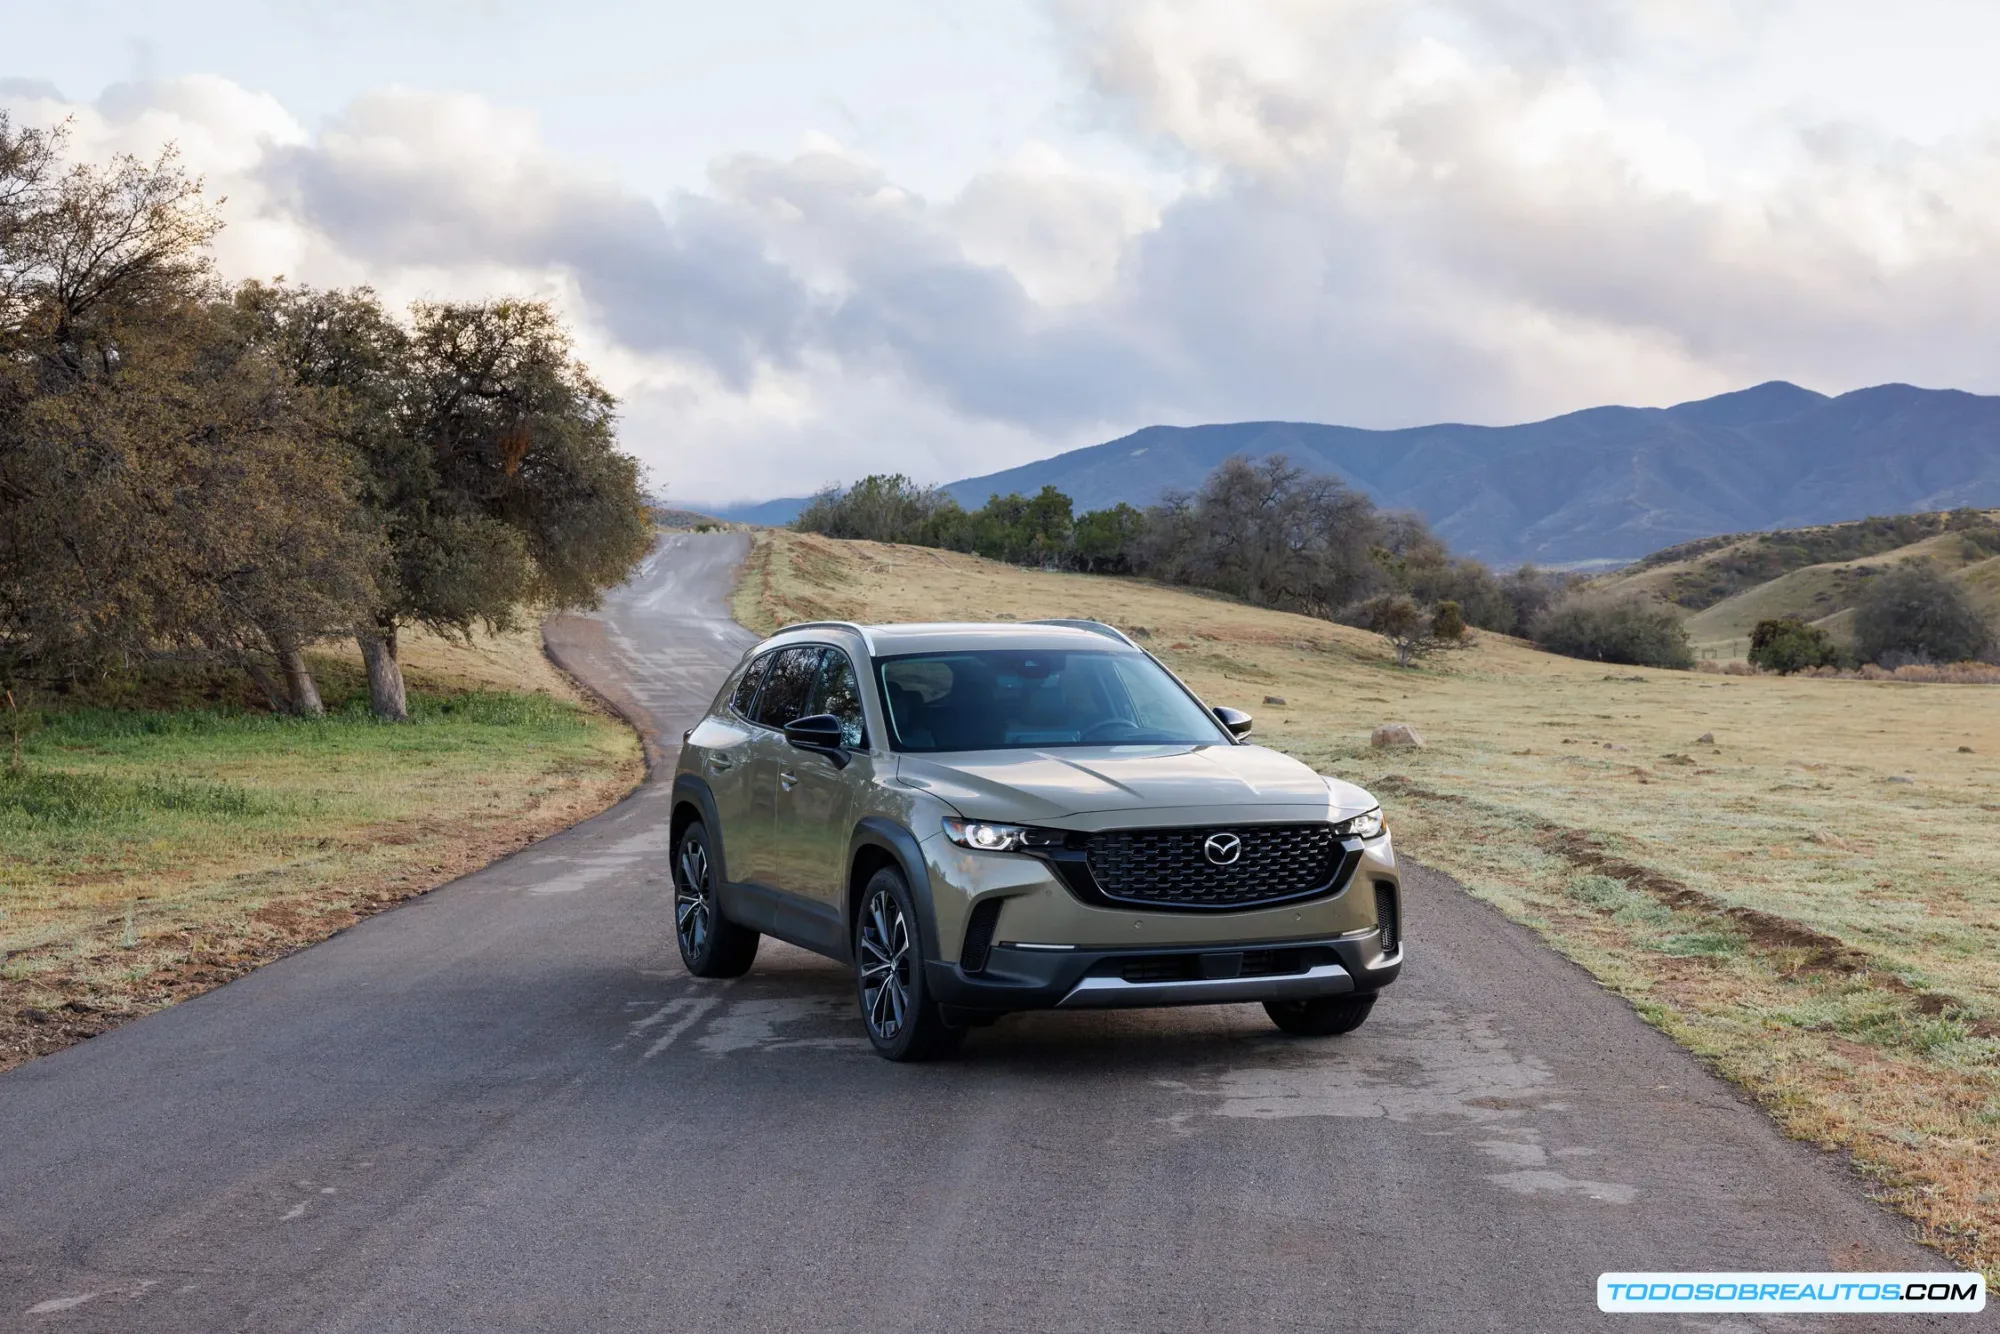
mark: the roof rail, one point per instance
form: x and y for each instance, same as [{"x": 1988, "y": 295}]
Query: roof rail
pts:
[
  {"x": 1095, "y": 627},
  {"x": 823, "y": 625}
]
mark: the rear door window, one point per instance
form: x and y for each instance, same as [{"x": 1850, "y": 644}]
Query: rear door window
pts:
[
  {"x": 746, "y": 688},
  {"x": 788, "y": 686}
]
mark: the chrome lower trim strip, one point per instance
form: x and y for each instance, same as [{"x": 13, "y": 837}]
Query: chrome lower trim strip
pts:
[{"x": 1326, "y": 979}]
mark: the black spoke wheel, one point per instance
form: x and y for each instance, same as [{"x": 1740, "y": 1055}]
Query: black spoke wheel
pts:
[
  {"x": 1321, "y": 1016},
  {"x": 711, "y": 944},
  {"x": 902, "y": 1021}
]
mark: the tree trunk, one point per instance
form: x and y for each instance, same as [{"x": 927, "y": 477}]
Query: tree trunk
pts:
[
  {"x": 265, "y": 684},
  {"x": 300, "y": 688},
  {"x": 385, "y": 675}
]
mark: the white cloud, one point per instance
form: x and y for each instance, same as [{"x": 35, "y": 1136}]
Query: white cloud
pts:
[{"x": 1367, "y": 211}]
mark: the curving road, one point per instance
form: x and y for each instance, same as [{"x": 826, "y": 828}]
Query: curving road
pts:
[{"x": 504, "y": 1106}]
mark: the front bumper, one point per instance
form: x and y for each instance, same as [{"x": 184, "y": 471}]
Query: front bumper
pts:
[{"x": 1042, "y": 979}]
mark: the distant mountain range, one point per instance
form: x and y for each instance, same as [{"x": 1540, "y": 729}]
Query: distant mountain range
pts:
[{"x": 1604, "y": 484}]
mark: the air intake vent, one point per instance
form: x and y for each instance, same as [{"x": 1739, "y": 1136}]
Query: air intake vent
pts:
[
  {"x": 979, "y": 935},
  {"x": 1388, "y": 916}
]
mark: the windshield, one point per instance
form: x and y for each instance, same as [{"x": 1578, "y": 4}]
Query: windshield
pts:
[{"x": 997, "y": 699}]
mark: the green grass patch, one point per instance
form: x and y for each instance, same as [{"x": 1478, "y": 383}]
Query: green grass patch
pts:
[
  {"x": 31, "y": 800},
  {"x": 1700, "y": 945},
  {"x": 108, "y": 794}
]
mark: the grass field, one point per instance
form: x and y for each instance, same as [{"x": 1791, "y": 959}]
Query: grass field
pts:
[
  {"x": 165, "y": 835},
  {"x": 1807, "y": 901}
]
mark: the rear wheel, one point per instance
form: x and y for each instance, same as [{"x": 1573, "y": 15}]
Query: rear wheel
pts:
[
  {"x": 711, "y": 944},
  {"x": 1321, "y": 1016},
  {"x": 903, "y": 1022}
]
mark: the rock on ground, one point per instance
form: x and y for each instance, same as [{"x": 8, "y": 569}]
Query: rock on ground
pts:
[{"x": 1396, "y": 734}]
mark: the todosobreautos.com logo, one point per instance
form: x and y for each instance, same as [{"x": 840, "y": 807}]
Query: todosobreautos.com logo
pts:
[{"x": 1844, "y": 1293}]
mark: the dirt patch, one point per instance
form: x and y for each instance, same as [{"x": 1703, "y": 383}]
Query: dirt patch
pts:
[{"x": 1765, "y": 931}]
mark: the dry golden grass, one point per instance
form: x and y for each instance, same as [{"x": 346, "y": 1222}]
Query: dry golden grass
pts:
[
  {"x": 1808, "y": 901},
  {"x": 152, "y": 850}
]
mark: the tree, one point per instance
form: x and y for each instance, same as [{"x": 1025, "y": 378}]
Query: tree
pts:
[
  {"x": 885, "y": 507},
  {"x": 1913, "y": 613},
  {"x": 1526, "y": 592},
  {"x": 1417, "y": 562},
  {"x": 1788, "y": 644},
  {"x": 1104, "y": 540},
  {"x": 1414, "y": 633},
  {"x": 1634, "y": 630},
  {"x": 500, "y": 482},
  {"x": 489, "y": 469},
  {"x": 1269, "y": 533},
  {"x": 1033, "y": 530},
  {"x": 163, "y": 483},
  {"x": 344, "y": 345}
]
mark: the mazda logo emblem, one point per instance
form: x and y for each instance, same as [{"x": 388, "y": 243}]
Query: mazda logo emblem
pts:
[{"x": 1222, "y": 849}]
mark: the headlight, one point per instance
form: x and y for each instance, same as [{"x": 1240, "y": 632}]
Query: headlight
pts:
[
  {"x": 988, "y": 837},
  {"x": 1369, "y": 824}
]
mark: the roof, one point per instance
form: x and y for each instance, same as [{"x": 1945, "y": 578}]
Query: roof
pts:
[{"x": 960, "y": 636}]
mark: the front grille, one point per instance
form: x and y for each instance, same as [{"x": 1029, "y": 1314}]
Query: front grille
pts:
[
  {"x": 1169, "y": 867},
  {"x": 1387, "y": 917}
]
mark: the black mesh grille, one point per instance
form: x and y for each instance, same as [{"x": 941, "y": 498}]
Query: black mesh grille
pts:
[
  {"x": 979, "y": 935},
  {"x": 1172, "y": 867},
  {"x": 1387, "y": 917}
]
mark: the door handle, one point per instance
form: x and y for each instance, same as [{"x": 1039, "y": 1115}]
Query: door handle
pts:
[{"x": 787, "y": 780}]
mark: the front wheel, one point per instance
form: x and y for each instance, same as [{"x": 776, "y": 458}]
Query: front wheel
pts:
[
  {"x": 1321, "y": 1016},
  {"x": 903, "y": 1022},
  {"x": 711, "y": 944}
]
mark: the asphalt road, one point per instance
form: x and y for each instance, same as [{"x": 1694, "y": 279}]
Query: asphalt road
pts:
[{"x": 505, "y": 1106}]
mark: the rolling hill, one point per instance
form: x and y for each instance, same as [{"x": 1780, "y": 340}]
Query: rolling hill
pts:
[
  {"x": 1602, "y": 485},
  {"x": 1729, "y": 583}
]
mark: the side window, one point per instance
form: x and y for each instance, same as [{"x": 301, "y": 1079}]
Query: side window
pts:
[
  {"x": 788, "y": 686},
  {"x": 746, "y": 689},
  {"x": 839, "y": 694}
]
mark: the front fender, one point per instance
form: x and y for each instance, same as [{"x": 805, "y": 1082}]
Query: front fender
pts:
[{"x": 901, "y": 844}]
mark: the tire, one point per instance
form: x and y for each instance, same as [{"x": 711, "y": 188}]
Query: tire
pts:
[
  {"x": 711, "y": 944},
  {"x": 1321, "y": 1016},
  {"x": 903, "y": 1023}
]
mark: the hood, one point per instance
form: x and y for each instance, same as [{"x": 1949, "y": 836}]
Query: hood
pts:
[{"x": 1031, "y": 786}]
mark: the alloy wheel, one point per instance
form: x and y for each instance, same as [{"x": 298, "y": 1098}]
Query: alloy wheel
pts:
[
  {"x": 694, "y": 897},
  {"x": 885, "y": 966}
]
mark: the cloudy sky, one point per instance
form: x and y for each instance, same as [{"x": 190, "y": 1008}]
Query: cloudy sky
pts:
[{"x": 807, "y": 240}]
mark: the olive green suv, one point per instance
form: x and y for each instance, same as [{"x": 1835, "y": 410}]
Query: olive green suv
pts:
[{"x": 981, "y": 819}]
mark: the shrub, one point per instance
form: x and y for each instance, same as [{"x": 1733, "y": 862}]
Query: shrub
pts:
[
  {"x": 1635, "y": 631},
  {"x": 1414, "y": 633},
  {"x": 1787, "y": 644},
  {"x": 1915, "y": 614},
  {"x": 1448, "y": 622}
]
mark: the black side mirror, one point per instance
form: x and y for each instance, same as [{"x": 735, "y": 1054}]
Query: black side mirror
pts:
[
  {"x": 819, "y": 732},
  {"x": 1237, "y": 721}
]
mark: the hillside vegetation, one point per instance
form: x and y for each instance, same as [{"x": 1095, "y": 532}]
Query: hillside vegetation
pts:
[
  {"x": 1606, "y": 483},
  {"x": 1728, "y": 584},
  {"x": 1806, "y": 899}
]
